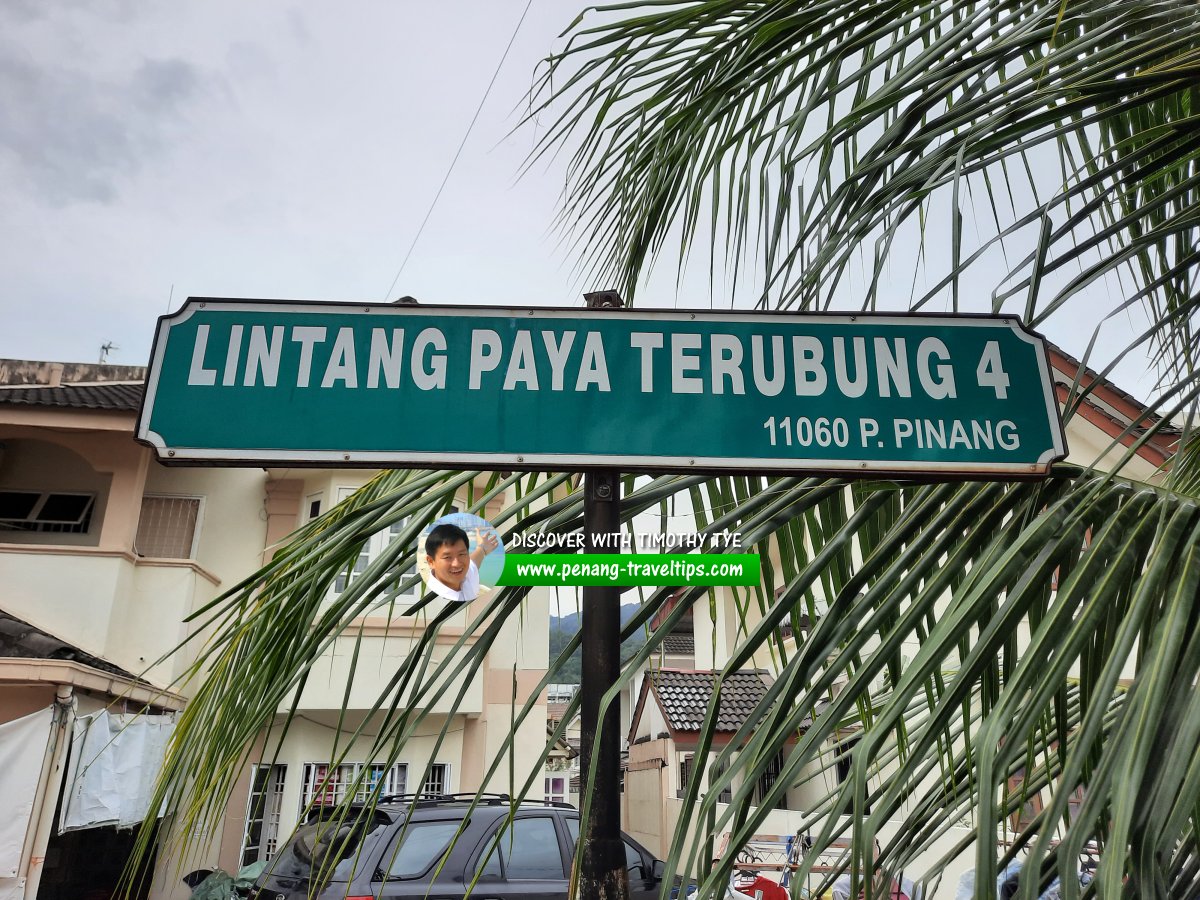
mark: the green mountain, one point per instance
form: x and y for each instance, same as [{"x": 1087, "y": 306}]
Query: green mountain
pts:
[{"x": 563, "y": 628}]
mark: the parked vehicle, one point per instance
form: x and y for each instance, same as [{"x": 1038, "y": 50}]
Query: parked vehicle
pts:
[{"x": 391, "y": 854}]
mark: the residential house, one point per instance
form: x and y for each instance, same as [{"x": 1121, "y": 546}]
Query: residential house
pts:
[
  {"x": 678, "y": 688},
  {"x": 104, "y": 554},
  {"x": 663, "y": 746},
  {"x": 562, "y": 767}
]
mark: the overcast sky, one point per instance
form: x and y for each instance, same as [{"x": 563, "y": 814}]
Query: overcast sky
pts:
[
  {"x": 155, "y": 151},
  {"x": 264, "y": 149}
]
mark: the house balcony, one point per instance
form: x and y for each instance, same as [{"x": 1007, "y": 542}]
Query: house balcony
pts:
[{"x": 126, "y": 609}]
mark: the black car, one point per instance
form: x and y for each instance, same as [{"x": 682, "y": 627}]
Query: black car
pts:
[{"x": 388, "y": 852}]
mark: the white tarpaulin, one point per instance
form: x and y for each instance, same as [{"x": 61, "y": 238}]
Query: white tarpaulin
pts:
[
  {"x": 114, "y": 761},
  {"x": 23, "y": 746}
]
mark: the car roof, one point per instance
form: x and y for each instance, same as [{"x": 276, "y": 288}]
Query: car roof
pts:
[
  {"x": 425, "y": 801},
  {"x": 399, "y": 805}
]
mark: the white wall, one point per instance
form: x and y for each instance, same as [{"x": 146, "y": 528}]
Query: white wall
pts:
[{"x": 309, "y": 741}]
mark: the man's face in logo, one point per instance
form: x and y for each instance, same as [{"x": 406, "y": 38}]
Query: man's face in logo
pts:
[{"x": 449, "y": 564}]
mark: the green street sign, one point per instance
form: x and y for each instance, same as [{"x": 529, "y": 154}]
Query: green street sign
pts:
[{"x": 263, "y": 382}]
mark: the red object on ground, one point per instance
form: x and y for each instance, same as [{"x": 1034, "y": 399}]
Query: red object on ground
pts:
[{"x": 770, "y": 889}]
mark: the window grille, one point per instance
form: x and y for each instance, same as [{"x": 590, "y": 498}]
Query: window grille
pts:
[
  {"x": 437, "y": 782},
  {"x": 767, "y": 780},
  {"x": 46, "y": 511},
  {"x": 374, "y": 546},
  {"x": 395, "y": 781},
  {"x": 845, "y": 763},
  {"x": 726, "y": 794},
  {"x": 556, "y": 789},
  {"x": 687, "y": 765},
  {"x": 263, "y": 814},
  {"x": 325, "y": 786},
  {"x": 167, "y": 527},
  {"x": 360, "y": 565}
]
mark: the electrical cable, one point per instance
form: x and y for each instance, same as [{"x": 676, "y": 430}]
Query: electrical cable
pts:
[{"x": 458, "y": 153}]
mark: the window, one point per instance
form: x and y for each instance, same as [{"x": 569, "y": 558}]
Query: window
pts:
[
  {"x": 331, "y": 847},
  {"x": 633, "y": 859},
  {"x": 167, "y": 527},
  {"x": 528, "y": 849},
  {"x": 360, "y": 565},
  {"x": 1030, "y": 802},
  {"x": 437, "y": 782},
  {"x": 312, "y": 506},
  {"x": 398, "y": 576},
  {"x": 395, "y": 780},
  {"x": 845, "y": 762},
  {"x": 46, "y": 511},
  {"x": 726, "y": 795},
  {"x": 489, "y": 867},
  {"x": 687, "y": 765},
  {"x": 556, "y": 789},
  {"x": 325, "y": 785},
  {"x": 421, "y": 844},
  {"x": 370, "y": 551},
  {"x": 767, "y": 780},
  {"x": 1076, "y": 801},
  {"x": 261, "y": 840}
]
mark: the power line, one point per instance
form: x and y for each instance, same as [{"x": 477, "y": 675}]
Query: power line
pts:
[{"x": 458, "y": 153}]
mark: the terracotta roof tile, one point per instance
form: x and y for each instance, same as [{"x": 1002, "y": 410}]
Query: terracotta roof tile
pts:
[
  {"x": 684, "y": 697},
  {"x": 1091, "y": 375},
  {"x": 678, "y": 644},
  {"x": 117, "y": 396}
]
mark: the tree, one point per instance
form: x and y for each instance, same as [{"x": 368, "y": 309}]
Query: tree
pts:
[{"x": 840, "y": 146}]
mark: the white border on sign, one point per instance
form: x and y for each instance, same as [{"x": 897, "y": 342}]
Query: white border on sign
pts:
[{"x": 568, "y": 461}]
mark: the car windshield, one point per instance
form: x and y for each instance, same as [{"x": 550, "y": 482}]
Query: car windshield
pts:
[{"x": 328, "y": 849}]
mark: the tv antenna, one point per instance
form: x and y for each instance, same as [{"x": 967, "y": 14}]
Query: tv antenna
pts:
[{"x": 106, "y": 349}]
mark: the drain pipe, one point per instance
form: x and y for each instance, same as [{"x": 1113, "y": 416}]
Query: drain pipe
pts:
[{"x": 49, "y": 785}]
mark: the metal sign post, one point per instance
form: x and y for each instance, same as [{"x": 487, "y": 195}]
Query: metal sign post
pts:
[{"x": 602, "y": 874}]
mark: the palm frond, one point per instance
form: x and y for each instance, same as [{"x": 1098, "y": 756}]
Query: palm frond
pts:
[
  {"x": 815, "y": 131},
  {"x": 972, "y": 645}
]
